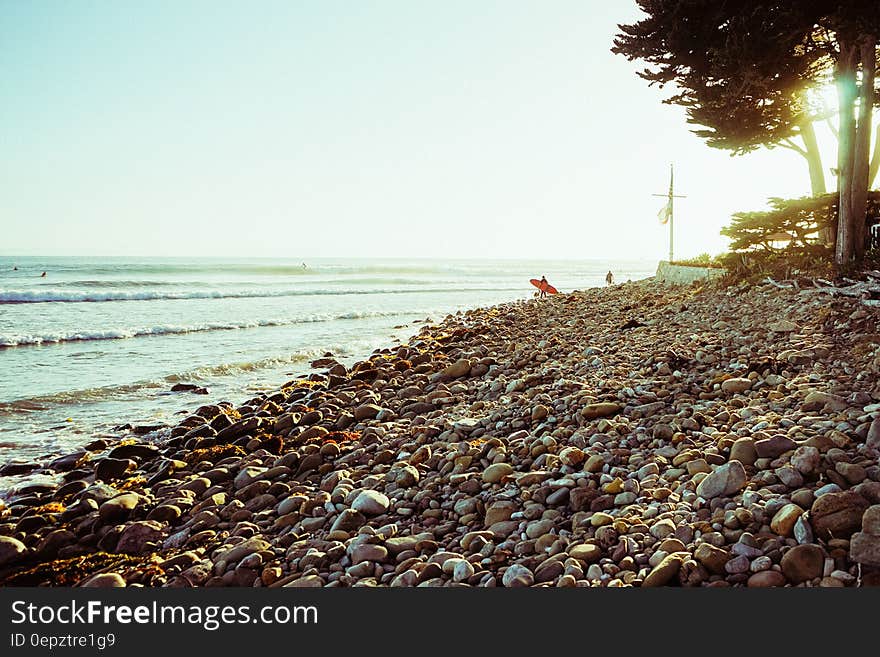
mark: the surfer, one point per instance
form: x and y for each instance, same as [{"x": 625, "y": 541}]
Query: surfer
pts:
[
  {"x": 43, "y": 275},
  {"x": 14, "y": 268},
  {"x": 543, "y": 287},
  {"x": 608, "y": 278},
  {"x": 304, "y": 266}
]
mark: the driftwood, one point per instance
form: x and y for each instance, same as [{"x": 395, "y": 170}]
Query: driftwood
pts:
[{"x": 865, "y": 291}]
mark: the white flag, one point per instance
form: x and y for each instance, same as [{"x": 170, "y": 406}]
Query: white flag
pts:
[{"x": 665, "y": 213}]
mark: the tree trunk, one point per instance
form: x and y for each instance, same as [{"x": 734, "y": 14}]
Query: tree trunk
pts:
[
  {"x": 817, "y": 176},
  {"x": 845, "y": 78},
  {"x": 875, "y": 159},
  {"x": 813, "y": 157},
  {"x": 862, "y": 147}
]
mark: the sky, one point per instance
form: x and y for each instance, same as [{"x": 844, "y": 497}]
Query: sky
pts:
[{"x": 386, "y": 128}]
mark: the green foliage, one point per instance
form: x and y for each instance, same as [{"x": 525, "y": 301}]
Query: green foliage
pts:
[
  {"x": 758, "y": 249},
  {"x": 791, "y": 224},
  {"x": 702, "y": 260}
]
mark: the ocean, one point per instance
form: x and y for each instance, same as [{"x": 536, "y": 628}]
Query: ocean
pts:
[{"x": 99, "y": 342}]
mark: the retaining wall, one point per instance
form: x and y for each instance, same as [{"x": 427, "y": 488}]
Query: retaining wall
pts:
[{"x": 684, "y": 275}]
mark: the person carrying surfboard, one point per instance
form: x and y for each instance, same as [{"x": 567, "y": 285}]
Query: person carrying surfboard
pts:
[
  {"x": 543, "y": 286},
  {"x": 609, "y": 278}
]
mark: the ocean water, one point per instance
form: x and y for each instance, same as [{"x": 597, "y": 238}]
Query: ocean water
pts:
[{"x": 98, "y": 342}]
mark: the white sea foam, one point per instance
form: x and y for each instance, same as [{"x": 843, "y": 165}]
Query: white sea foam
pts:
[
  {"x": 86, "y": 296},
  {"x": 15, "y": 340}
]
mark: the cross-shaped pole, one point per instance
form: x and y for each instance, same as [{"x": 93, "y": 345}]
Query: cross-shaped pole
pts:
[{"x": 670, "y": 195}]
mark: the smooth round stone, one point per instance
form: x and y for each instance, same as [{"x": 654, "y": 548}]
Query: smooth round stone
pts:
[
  {"x": 600, "y": 519},
  {"x": 371, "y": 503},
  {"x": 517, "y": 575},
  {"x": 803, "y": 563},
  {"x": 104, "y": 581},
  {"x": 766, "y": 579},
  {"x": 496, "y": 472},
  {"x": 586, "y": 553},
  {"x": 11, "y": 550}
]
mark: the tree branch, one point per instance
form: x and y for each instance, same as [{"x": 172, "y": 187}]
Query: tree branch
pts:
[{"x": 789, "y": 144}]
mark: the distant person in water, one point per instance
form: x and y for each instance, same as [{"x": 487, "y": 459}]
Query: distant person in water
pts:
[
  {"x": 304, "y": 266},
  {"x": 14, "y": 268},
  {"x": 609, "y": 278},
  {"x": 43, "y": 275}
]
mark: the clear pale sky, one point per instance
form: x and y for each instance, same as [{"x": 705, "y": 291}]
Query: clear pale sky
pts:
[{"x": 463, "y": 128}]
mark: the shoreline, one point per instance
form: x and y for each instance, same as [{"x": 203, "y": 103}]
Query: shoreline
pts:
[{"x": 637, "y": 435}]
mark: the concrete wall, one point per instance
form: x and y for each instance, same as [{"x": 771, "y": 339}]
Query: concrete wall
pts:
[{"x": 682, "y": 275}]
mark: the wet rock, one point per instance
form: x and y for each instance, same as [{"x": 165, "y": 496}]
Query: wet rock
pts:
[
  {"x": 118, "y": 508},
  {"x": 11, "y": 551}
]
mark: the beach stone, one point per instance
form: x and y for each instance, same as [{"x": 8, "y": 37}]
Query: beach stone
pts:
[
  {"x": 368, "y": 552},
  {"x": 865, "y": 549},
  {"x": 517, "y": 575},
  {"x": 743, "y": 450},
  {"x": 11, "y": 550},
  {"x": 572, "y": 456},
  {"x": 784, "y": 520},
  {"x": 819, "y": 401},
  {"x": 782, "y": 326},
  {"x": 803, "y": 563},
  {"x": 789, "y": 476},
  {"x": 496, "y": 472},
  {"x": 837, "y": 515},
  {"x": 463, "y": 571},
  {"x": 499, "y": 512},
  {"x": 665, "y": 571},
  {"x": 806, "y": 459},
  {"x": 366, "y": 412},
  {"x": 713, "y": 558},
  {"x": 118, "y": 508},
  {"x": 872, "y": 440},
  {"x": 586, "y": 552},
  {"x": 109, "y": 469},
  {"x": 803, "y": 531},
  {"x": 736, "y": 565},
  {"x": 774, "y": 446},
  {"x": 724, "y": 481},
  {"x": 238, "y": 552},
  {"x": 594, "y": 463},
  {"x": 458, "y": 369},
  {"x": 104, "y": 581},
  {"x": 602, "y": 409},
  {"x": 736, "y": 385},
  {"x": 348, "y": 520},
  {"x": 137, "y": 537},
  {"x": 871, "y": 520},
  {"x": 766, "y": 579},
  {"x": 371, "y": 503}
]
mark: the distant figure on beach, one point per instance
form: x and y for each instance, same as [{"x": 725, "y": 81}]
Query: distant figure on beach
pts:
[
  {"x": 608, "y": 278},
  {"x": 43, "y": 275},
  {"x": 543, "y": 287}
]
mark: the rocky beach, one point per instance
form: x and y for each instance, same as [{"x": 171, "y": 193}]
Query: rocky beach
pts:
[{"x": 638, "y": 435}]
